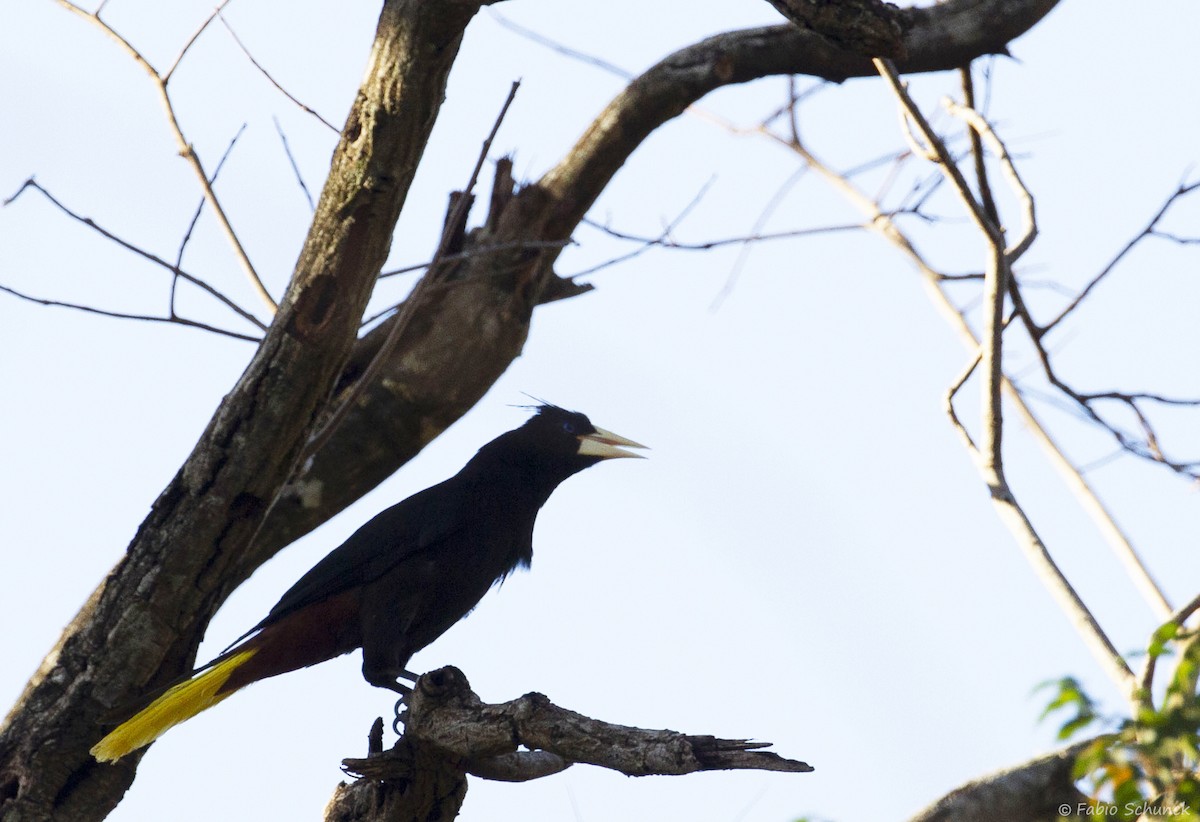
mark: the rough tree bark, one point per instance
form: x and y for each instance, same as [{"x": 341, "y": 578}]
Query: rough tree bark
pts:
[
  {"x": 223, "y": 515},
  {"x": 449, "y": 732},
  {"x": 142, "y": 625},
  {"x": 1034, "y": 791}
]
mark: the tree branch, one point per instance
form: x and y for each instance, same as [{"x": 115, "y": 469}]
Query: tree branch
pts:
[
  {"x": 867, "y": 27},
  {"x": 447, "y": 721},
  {"x": 140, "y": 629},
  {"x": 220, "y": 518},
  {"x": 1035, "y": 791},
  {"x": 492, "y": 292},
  {"x": 175, "y": 270},
  {"x": 938, "y": 38},
  {"x": 186, "y": 150},
  {"x": 988, "y": 456}
]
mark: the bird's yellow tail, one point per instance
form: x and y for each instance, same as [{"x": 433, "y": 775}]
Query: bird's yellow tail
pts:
[{"x": 179, "y": 703}]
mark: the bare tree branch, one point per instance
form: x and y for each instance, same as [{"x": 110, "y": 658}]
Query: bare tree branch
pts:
[
  {"x": 1149, "y": 231},
  {"x": 187, "y": 235},
  {"x": 1035, "y": 791},
  {"x": 172, "y": 319},
  {"x": 186, "y": 150},
  {"x": 274, "y": 82},
  {"x": 449, "y": 730},
  {"x": 988, "y": 456},
  {"x": 450, "y": 234},
  {"x": 666, "y": 241},
  {"x": 773, "y": 202},
  {"x": 935, "y": 35},
  {"x": 175, "y": 270},
  {"x": 444, "y": 712},
  {"x": 868, "y": 27},
  {"x": 221, "y": 517},
  {"x": 287, "y": 149},
  {"x": 883, "y": 223},
  {"x": 140, "y": 628},
  {"x": 554, "y": 45}
]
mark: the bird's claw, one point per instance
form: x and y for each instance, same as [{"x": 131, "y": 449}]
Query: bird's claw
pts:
[{"x": 399, "y": 709}]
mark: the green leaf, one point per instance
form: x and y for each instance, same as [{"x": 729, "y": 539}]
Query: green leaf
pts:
[
  {"x": 1073, "y": 726},
  {"x": 1161, "y": 636}
]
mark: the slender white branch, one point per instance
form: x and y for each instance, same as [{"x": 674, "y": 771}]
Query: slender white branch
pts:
[
  {"x": 989, "y": 457},
  {"x": 1028, "y": 214}
]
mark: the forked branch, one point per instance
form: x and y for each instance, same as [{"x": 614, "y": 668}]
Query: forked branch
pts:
[
  {"x": 988, "y": 456},
  {"x": 186, "y": 150},
  {"x": 449, "y": 732}
]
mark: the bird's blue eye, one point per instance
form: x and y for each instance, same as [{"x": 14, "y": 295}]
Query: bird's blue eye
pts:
[{"x": 569, "y": 427}]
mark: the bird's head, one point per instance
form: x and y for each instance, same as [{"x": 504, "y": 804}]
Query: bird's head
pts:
[
  {"x": 572, "y": 436},
  {"x": 556, "y": 443}
]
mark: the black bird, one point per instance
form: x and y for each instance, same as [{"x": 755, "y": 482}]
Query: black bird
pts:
[{"x": 400, "y": 581}]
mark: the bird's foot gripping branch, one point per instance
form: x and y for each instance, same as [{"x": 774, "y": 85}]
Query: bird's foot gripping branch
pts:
[{"x": 450, "y": 732}]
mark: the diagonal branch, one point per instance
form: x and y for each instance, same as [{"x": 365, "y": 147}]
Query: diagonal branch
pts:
[
  {"x": 436, "y": 273},
  {"x": 220, "y": 518},
  {"x": 141, "y": 627},
  {"x": 186, "y": 150},
  {"x": 1149, "y": 231},
  {"x": 175, "y": 270},
  {"x": 940, "y": 37},
  {"x": 883, "y": 223},
  {"x": 261, "y": 70},
  {"x": 449, "y": 730},
  {"x": 187, "y": 235},
  {"x": 989, "y": 457}
]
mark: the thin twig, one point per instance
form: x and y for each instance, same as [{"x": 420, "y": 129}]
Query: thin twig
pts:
[
  {"x": 1178, "y": 618},
  {"x": 477, "y": 251},
  {"x": 166, "y": 78},
  {"x": 554, "y": 45},
  {"x": 760, "y": 221},
  {"x": 185, "y": 148},
  {"x": 273, "y": 82},
  {"x": 121, "y": 315},
  {"x": 981, "y": 127},
  {"x": 187, "y": 236},
  {"x": 977, "y": 156},
  {"x": 931, "y": 279},
  {"x": 706, "y": 245},
  {"x": 942, "y": 155},
  {"x": 480, "y": 250},
  {"x": 948, "y": 403},
  {"x": 128, "y": 246},
  {"x": 1182, "y": 191},
  {"x": 1140, "y": 395},
  {"x": 674, "y": 223},
  {"x": 295, "y": 168}
]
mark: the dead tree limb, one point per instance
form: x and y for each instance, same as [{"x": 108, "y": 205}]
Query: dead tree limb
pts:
[
  {"x": 141, "y": 627},
  {"x": 449, "y": 732},
  {"x": 1041, "y": 790}
]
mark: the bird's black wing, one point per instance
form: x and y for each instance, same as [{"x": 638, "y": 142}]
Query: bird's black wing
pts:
[{"x": 420, "y": 522}]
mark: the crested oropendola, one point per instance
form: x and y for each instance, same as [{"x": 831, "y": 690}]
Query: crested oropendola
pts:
[{"x": 400, "y": 581}]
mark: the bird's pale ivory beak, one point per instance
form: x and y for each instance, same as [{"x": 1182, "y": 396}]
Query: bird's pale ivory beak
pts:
[{"x": 603, "y": 444}]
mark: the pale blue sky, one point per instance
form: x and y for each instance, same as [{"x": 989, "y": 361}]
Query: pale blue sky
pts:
[{"x": 807, "y": 557}]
